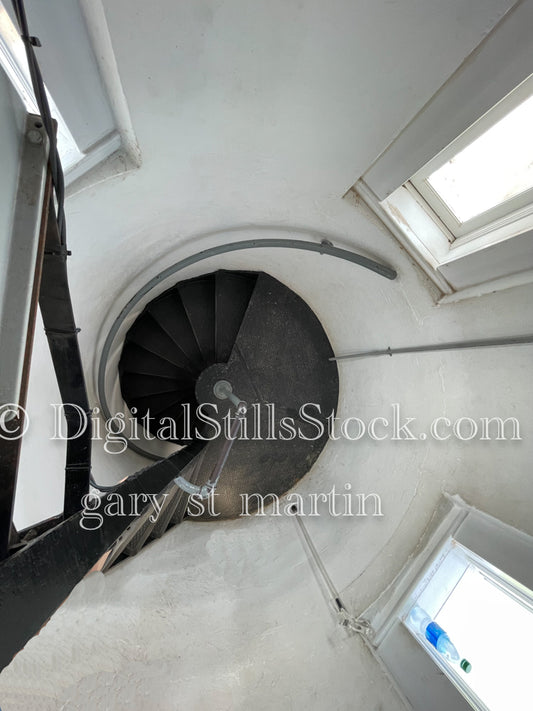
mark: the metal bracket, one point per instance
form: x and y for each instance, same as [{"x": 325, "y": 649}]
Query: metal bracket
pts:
[
  {"x": 355, "y": 624},
  {"x": 222, "y": 390}
]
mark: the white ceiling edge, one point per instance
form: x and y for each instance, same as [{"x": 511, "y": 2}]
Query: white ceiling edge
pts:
[
  {"x": 94, "y": 121},
  {"x": 119, "y": 151},
  {"x": 95, "y": 20},
  {"x": 500, "y": 62}
]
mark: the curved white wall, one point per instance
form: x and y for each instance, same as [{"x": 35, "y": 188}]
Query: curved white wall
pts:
[{"x": 250, "y": 121}]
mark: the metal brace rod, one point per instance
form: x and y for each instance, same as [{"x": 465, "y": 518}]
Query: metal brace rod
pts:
[
  {"x": 355, "y": 624},
  {"x": 458, "y": 345}
]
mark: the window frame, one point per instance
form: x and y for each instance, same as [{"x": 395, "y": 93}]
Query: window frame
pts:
[
  {"x": 498, "y": 221},
  {"x": 417, "y": 676},
  {"x": 460, "y": 269},
  {"x": 469, "y": 559},
  {"x": 93, "y": 115}
]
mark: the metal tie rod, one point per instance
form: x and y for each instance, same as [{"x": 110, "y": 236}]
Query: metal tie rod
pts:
[
  {"x": 458, "y": 345},
  {"x": 223, "y": 390},
  {"x": 345, "y": 619}
]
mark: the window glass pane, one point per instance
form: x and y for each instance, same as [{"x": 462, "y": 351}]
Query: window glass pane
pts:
[
  {"x": 493, "y": 631},
  {"x": 492, "y": 169}
]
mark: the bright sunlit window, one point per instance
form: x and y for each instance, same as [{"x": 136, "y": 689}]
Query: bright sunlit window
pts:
[
  {"x": 494, "y": 628},
  {"x": 488, "y": 619},
  {"x": 492, "y": 169},
  {"x": 486, "y": 176},
  {"x": 475, "y": 197}
]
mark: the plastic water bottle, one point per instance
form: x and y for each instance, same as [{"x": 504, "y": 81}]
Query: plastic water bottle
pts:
[{"x": 437, "y": 637}]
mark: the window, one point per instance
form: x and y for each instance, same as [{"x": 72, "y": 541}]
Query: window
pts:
[
  {"x": 473, "y": 576},
  {"x": 488, "y": 618},
  {"x": 92, "y": 114},
  {"x": 491, "y": 171},
  {"x": 484, "y": 179},
  {"x": 477, "y": 192},
  {"x": 457, "y": 198}
]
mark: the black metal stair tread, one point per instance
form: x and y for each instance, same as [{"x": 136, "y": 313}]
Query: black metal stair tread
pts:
[
  {"x": 139, "y": 539},
  {"x": 166, "y": 513},
  {"x": 136, "y": 359},
  {"x": 198, "y": 299},
  {"x": 281, "y": 335},
  {"x": 232, "y": 295},
  {"x": 147, "y": 332},
  {"x": 117, "y": 550},
  {"x": 184, "y": 427},
  {"x": 169, "y": 311},
  {"x": 159, "y": 403},
  {"x": 180, "y": 510},
  {"x": 138, "y": 341},
  {"x": 135, "y": 385}
]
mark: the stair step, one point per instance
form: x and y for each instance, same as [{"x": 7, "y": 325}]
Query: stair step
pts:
[
  {"x": 232, "y": 295},
  {"x": 166, "y": 514},
  {"x": 136, "y": 359},
  {"x": 198, "y": 299},
  {"x": 180, "y": 428},
  {"x": 161, "y": 403},
  {"x": 118, "y": 548},
  {"x": 136, "y": 386},
  {"x": 147, "y": 332},
  {"x": 170, "y": 313},
  {"x": 140, "y": 537}
]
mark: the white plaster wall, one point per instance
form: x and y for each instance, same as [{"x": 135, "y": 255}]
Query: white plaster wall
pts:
[
  {"x": 224, "y": 622},
  {"x": 252, "y": 116}
]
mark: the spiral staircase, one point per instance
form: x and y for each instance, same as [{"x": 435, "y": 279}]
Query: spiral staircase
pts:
[
  {"x": 190, "y": 327},
  {"x": 251, "y": 330}
]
